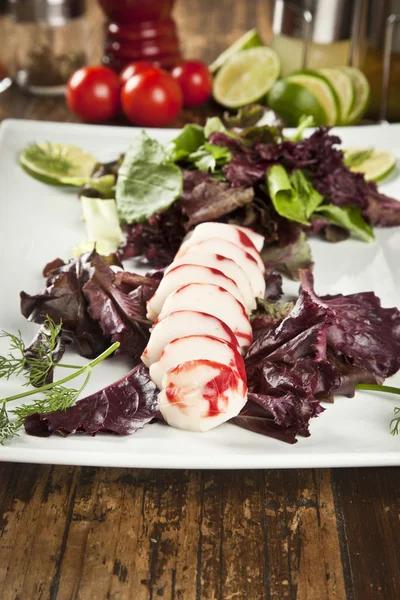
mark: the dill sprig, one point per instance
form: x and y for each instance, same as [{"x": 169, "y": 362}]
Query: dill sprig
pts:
[
  {"x": 48, "y": 397},
  {"x": 35, "y": 362},
  {"x": 394, "y": 423},
  {"x": 8, "y": 429},
  {"x": 49, "y": 157},
  {"x": 12, "y": 365}
]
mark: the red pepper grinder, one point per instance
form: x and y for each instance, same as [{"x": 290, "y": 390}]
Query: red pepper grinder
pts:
[{"x": 140, "y": 30}]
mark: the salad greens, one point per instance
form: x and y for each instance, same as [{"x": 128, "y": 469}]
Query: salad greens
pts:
[
  {"x": 186, "y": 142},
  {"x": 241, "y": 168},
  {"x": 287, "y": 200},
  {"x": 210, "y": 156},
  {"x": 36, "y": 368},
  {"x": 102, "y": 226},
  {"x": 147, "y": 180},
  {"x": 349, "y": 218}
]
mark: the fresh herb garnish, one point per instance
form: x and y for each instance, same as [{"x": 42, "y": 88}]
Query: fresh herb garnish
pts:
[
  {"x": 52, "y": 396},
  {"x": 35, "y": 366},
  {"x": 395, "y": 422},
  {"x": 210, "y": 156},
  {"x": 49, "y": 157},
  {"x": 189, "y": 140}
]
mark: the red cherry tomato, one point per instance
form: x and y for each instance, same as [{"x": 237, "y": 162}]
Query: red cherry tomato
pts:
[
  {"x": 93, "y": 93},
  {"x": 134, "y": 68},
  {"x": 195, "y": 80},
  {"x": 151, "y": 98}
]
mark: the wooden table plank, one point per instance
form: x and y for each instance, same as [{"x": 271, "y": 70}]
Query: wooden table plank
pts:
[
  {"x": 116, "y": 534},
  {"x": 370, "y": 504}
]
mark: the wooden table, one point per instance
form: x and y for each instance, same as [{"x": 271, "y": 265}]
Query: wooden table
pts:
[{"x": 125, "y": 534}]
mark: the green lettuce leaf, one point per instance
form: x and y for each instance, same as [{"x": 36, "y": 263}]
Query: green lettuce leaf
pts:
[
  {"x": 284, "y": 196},
  {"x": 349, "y": 218},
  {"x": 307, "y": 193},
  {"x": 210, "y": 156},
  {"x": 214, "y": 125},
  {"x": 147, "y": 181},
  {"x": 188, "y": 141}
]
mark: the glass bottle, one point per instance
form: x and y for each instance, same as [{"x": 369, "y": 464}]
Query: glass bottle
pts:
[
  {"x": 49, "y": 43},
  {"x": 140, "y": 30}
]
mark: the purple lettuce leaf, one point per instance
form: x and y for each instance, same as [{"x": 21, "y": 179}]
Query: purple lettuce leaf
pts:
[
  {"x": 273, "y": 286},
  {"x": 121, "y": 315},
  {"x": 121, "y": 408},
  {"x": 251, "y": 115},
  {"x": 363, "y": 333},
  {"x": 281, "y": 417},
  {"x": 292, "y": 252},
  {"x": 205, "y": 199},
  {"x": 157, "y": 241},
  {"x": 246, "y": 167},
  {"x": 63, "y": 300},
  {"x": 267, "y": 315},
  {"x": 382, "y": 210},
  {"x": 84, "y": 294},
  {"x": 259, "y": 216}
]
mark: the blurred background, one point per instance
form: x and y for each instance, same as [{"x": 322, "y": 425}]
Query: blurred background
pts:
[{"x": 43, "y": 42}]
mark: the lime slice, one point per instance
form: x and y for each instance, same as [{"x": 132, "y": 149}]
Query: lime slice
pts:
[
  {"x": 246, "y": 77},
  {"x": 57, "y": 164},
  {"x": 375, "y": 167},
  {"x": 322, "y": 90},
  {"x": 361, "y": 93},
  {"x": 251, "y": 39},
  {"x": 344, "y": 88},
  {"x": 291, "y": 101}
]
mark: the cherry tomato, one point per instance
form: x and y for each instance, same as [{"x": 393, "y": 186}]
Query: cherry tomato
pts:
[
  {"x": 195, "y": 80},
  {"x": 134, "y": 68},
  {"x": 93, "y": 93},
  {"x": 151, "y": 98}
]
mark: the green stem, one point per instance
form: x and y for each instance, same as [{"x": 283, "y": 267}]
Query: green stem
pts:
[
  {"x": 378, "y": 388},
  {"x": 67, "y": 366},
  {"x": 81, "y": 370}
]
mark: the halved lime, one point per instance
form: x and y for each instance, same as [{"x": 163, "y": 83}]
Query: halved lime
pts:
[
  {"x": 291, "y": 101},
  {"x": 323, "y": 91},
  {"x": 57, "y": 164},
  {"x": 246, "y": 77},
  {"x": 251, "y": 39},
  {"x": 377, "y": 164},
  {"x": 344, "y": 88},
  {"x": 361, "y": 93}
]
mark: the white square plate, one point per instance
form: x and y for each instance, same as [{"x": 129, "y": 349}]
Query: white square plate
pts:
[{"x": 39, "y": 223}]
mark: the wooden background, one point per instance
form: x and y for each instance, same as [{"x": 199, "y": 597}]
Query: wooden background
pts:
[{"x": 124, "y": 534}]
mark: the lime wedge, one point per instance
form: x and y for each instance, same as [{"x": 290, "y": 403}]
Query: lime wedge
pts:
[
  {"x": 361, "y": 93},
  {"x": 323, "y": 91},
  {"x": 57, "y": 164},
  {"x": 375, "y": 167},
  {"x": 291, "y": 101},
  {"x": 251, "y": 39},
  {"x": 344, "y": 88},
  {"x": 246, "y": 77}
]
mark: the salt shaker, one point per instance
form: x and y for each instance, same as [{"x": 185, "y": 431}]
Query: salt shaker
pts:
[{"x": 49, "y": 40}]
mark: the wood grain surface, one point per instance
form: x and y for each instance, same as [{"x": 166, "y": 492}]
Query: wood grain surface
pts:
[{"x": 69, "y": 533}]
